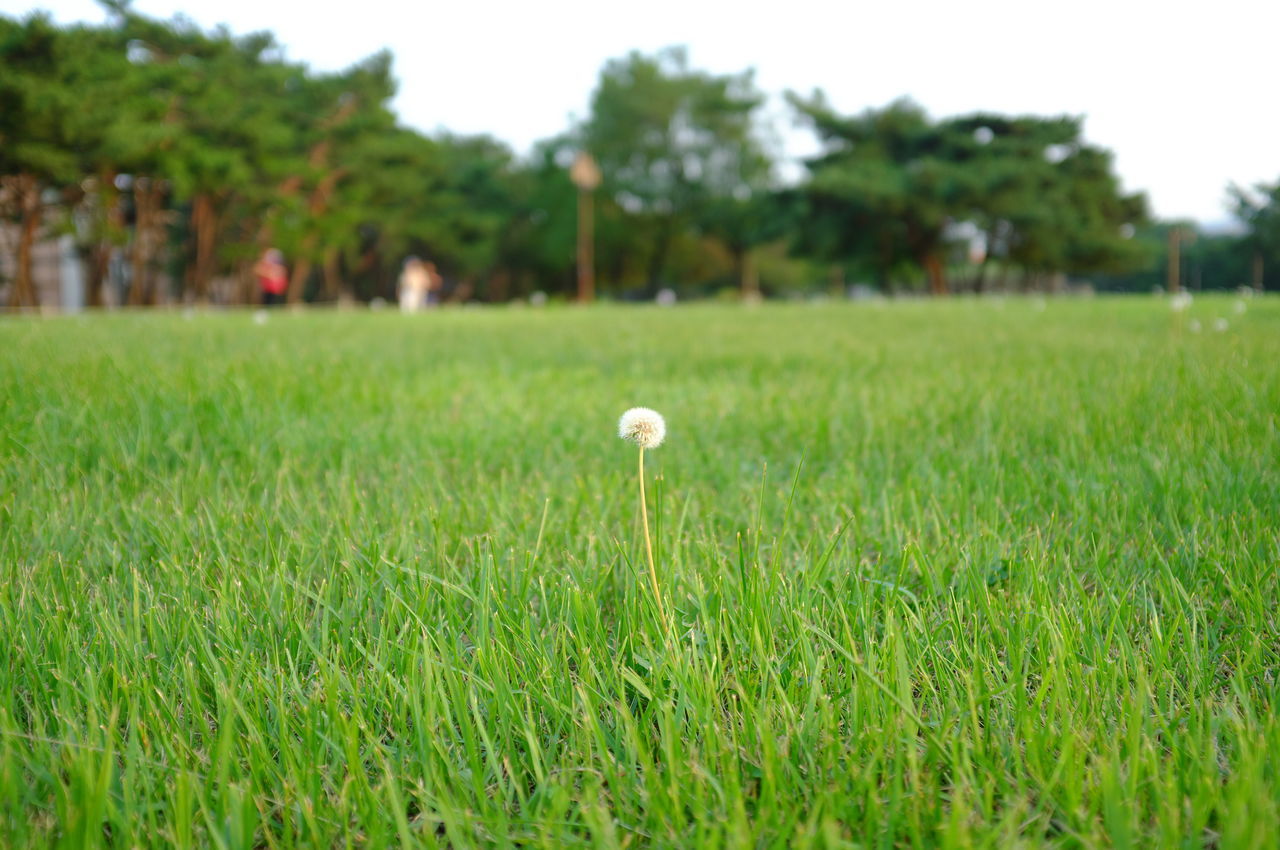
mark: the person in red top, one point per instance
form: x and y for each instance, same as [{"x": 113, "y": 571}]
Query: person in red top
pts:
[{"x": 273, "y": 279}]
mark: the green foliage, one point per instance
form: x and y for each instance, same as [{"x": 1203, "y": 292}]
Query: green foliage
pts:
[
  {"x": 1260, "y": 211},
  {"x": 942, "y": 575},
  {"x": 1210, "y": 261},
  {"x": 892, "y": 183},
  {"x": 880, "y": 195},
  {"x": 172, "y": 147},
  {"x": 38, "y": 111},
  {"x": 680, "y": 152}
]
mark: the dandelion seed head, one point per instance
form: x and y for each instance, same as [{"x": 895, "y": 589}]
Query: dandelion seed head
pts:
[
  {"x": 1181, "y": 301},
  {"x": 642, "y": 426},
  {"x": 1219, "y": 325}
]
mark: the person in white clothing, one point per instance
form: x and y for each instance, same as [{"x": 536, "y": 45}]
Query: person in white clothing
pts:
[{"x": 415, "y": 281}]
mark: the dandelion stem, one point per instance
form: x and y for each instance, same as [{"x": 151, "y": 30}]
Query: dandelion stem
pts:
[{"x": 648, "y": 549}]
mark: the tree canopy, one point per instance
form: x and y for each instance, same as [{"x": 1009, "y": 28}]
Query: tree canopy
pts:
[
  {"x": 176, "y": 156},
  {"x": 894, "y": 191}
]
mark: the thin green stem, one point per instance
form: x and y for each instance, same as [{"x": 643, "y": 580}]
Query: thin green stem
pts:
[{"x": 648, "y": 548}]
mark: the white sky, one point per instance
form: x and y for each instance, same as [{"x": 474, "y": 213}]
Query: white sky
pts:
[{"x": 1184, "y": 93}]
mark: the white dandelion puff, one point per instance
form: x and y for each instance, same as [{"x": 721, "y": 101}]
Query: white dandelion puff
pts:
[
  {"x": 1240, "y": 307},
  {"x": 642, "y": 426},
  {"x": 1194, "y": 326},
  {"x": 1219, "y": 325},
  {"x": 646, "y": 428},
  {"x": 1180, "y": 302}
]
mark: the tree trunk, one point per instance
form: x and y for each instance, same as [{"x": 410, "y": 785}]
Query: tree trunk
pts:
[
  {"x": 316, "y": 207},
  {"x": 99, "y": 267},
  {"x": 106, "y": 219},
  {"x": 658, "y": 258},
  {"x": 937, "y": 275},
  {"x": 498, "y": 287},
  {"x": 24, "y": 291},
  {"x": 301, "y": 271},
  {"x": 1258, "y": 281},
  {"x": 246, "y": 290},
  {"x": 204, "y": 222},
  {"x": 146, "y": 199},
  {"x": 332, "y": 276}
]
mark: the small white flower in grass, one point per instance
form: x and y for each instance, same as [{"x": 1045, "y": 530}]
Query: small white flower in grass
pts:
[
  {"x": 646, "y": 428},
  {"x": 1240, "y": 307},
  {"x": 642, "y": 426},
  {"x": 1194, "y": 326},
  {"x": 1219, "y": 325},
  {"x": 1180, "y": 302}
]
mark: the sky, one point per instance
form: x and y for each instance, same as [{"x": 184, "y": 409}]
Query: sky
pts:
[{"x": 1183, "y": 93}]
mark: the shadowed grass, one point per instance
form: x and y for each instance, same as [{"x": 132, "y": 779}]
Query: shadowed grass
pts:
[{"x": 941, "y": 574}]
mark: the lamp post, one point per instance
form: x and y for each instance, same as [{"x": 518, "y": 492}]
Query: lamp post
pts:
[
  {"x": 586, "y": 176},
  {"x": 1178, "y": 236},
  {"x": 1175, "y": 260}
]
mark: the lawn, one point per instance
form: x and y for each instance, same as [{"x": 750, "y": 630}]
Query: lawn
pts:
[{"x": 971, "y": 573}]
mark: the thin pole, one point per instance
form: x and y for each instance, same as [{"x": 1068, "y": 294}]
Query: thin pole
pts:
[{"x": 586, "y": 258}]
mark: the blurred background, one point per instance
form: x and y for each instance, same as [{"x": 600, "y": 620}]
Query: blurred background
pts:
[{"x": 229, "y": 153}]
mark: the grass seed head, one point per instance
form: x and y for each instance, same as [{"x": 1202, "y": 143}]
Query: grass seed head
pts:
[{"x": 642, "y": 426}]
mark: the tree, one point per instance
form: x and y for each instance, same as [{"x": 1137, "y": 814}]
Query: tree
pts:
[
  {"x": 891, "y": 185},
  {"x": 36, "y": 144},
  {"x": 742, "y": 220},
  {"x": 676, "y": 146},
  {"x": 1259, "y": 210},
  {"x": 97, "y": 67},
  {"x": 881, "y": 193},
  {"x": 313, "y": 216}
]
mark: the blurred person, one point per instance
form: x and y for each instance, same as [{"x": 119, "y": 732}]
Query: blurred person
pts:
[
  {"x": 414, "y": 285},
  {"x": 273, "y": 278}
]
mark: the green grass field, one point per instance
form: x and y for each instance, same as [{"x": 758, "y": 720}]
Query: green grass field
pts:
[{"x": 961, "y": 574}]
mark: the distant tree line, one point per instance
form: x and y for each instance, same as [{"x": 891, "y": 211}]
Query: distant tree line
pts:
[{"x": 173, "y": 157}]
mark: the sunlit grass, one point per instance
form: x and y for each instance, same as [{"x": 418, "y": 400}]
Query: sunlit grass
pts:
[{"x": 939, "y": 574}]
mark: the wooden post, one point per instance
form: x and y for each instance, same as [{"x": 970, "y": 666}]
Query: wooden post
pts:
[
  {"x": 586, "y": 239},
  {"x": 1175, "y": 260},
  {"x": 586, "y": 176}
]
